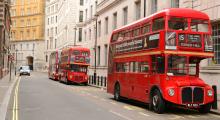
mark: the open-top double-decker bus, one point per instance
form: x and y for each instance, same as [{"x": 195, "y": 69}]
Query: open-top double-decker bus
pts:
[
  {"x": 156, "y": 60},
  {"x": 74, "y": 65},
  {"x": 53, "y": 70}
]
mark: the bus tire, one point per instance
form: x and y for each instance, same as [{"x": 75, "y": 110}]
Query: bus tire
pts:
[
  {"x": 205, "y": 108},
  {"x": 117, "y": 92},
  {"x": 157, "y": 102}
]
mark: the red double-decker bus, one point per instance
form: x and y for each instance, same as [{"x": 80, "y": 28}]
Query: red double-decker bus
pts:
[
  {"x": 156, "y": 60},
  {"x": 74, "y": 65},
  {"x": 53, "y": 70}
]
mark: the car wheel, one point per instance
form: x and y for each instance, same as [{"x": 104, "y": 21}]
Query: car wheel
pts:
[
  {"x": 157, "y": 102},
  {"x": 117, "y": 92}
]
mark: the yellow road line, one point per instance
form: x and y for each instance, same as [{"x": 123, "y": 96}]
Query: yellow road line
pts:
[
  {"x": 15, "y": 105},
  {"x": 141, "y": 113}
]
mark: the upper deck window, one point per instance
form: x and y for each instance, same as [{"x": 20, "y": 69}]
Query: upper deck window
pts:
[
  {"x": 76, "y": 52},
  {"x": 136, "y": 32},
  {"x": 199, "y": 25},
  {"x": 115, "y": 37},
  {"x": 146, "y": 28},
  {"x": 178, "y": 23},
  {"x": 158, "y": 24}
]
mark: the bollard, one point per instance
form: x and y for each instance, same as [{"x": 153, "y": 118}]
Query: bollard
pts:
[
  {"x": 98, "y": 81},
  {"x": 215, "y": 102},
  {"x": 101, "y": 80},
  {"x": 105, "y": 81}
]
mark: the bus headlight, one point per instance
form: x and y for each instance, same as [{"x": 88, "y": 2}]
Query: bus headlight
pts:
[
  {"x": 209, "y": 93},
  {"x": 171, "y": 92}
]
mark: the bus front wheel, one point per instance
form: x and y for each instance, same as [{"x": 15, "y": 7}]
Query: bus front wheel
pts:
[
  {"x": 117, "y": 92},
  {"x": 157, "y": 102}
]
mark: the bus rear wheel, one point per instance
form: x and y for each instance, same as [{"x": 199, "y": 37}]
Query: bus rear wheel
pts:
[
  {"x": 67, "y": 81},
  {"x": 157, "y": 102},
  {"x": 117, "y": 92},
  {"x": 205, "y": 108}
]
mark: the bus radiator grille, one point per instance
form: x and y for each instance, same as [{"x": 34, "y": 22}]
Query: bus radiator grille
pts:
[
  {"x": 78, "y": 78},
  {"x": 192, "y": 95},
  {"x": 187, "y": 95},
  {"x": 198, "y": 95}
]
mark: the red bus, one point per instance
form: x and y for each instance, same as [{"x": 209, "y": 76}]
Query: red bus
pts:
[
  {"x": 156, "y": 60},
  {"x": 53, "y": 71},
  {"x": 74, "y": 65}
]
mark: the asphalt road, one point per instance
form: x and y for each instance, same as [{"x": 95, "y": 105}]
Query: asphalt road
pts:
[{"x": 38, "y": 98}]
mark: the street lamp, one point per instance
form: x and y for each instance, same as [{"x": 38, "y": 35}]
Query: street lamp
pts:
[
  {"x": 16, "y": 51},
  {"x": 95, "y": 45}
]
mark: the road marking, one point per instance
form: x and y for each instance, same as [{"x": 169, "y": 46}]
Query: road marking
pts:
[
  {"x": 176, "y": 117},
  {"x": 113, "y": 103},
  {"x": 128, "y": 107},
  {"x": 15, "y": 105},
  {"x": 120, "y": 115},
  {"x": 141, "y": 113},
  {"x": 102, "y": 99},
  {"x": 190, "y": 116}
]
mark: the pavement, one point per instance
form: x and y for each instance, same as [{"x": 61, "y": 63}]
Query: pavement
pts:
[
  {"x": 40, "y": 96},
  {"x": 6, "y": 87}
]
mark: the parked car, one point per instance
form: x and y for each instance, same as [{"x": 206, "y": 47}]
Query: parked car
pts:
[{"x": 25, "y": 70}]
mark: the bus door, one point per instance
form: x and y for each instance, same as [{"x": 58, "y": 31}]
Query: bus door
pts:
[
  {"x": 157, "y": 69},
  {"x": 139, "y": 79}
]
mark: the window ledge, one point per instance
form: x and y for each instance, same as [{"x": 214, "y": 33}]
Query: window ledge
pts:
[{"x": 211, "y": 69}]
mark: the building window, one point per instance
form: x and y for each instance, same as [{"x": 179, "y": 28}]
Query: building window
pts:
[
  {"x": 22, "y": 35},
  {"x": 27, "y": 46},
  {"x": 28, "y": 34},
  {"x": 125, "y": 16},
  {"x": 34, "y": 34},
  {"x": 138, "y": 10},
  {"x": 175, "y": 3},
  {"x": 55, "y": 43},
  {"x": 56, "y": 30},
  {"x": 85, "y": 34},
  {"x": 91, "y": 11},
  {"x": 99, "y": 28},
  {"x": 21, "y": 46},
  {"x": 106, "y": 54},
  {"x": 86, "y": 14},
  {"x": 48, "y": 32},
  {"x": 29, "y": 11},
  {"x": 114, "y": 26},
  {"x": 80, "y": 34},
  {"x": 90, "y": 34},
  {"x": 22, "y": 12},
  {"x": 47, "y": 44},
  {"x": 48, "y": 21},
  {"x": 81, "y": 2},
  {"x": 28, "y": 22},
  {"x": 106, "y": 25},
  {"x": 56, "y": 19},
  {"x": 22, "y": 23},
  {"x": 216, "y": 41},
  {"x": 99, "y": 56},
  {"x": 80, "y": 16},
  {"x": 153, "y": 6}
]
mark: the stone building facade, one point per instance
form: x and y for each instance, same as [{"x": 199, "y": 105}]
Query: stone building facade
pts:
[
  {"x": 5, "y": 22},
  {"x": 27, "y": 34},
  {"x": 62, "y": 24}
]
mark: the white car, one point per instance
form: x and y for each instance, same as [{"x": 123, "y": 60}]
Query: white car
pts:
[{"x": 25, "y": 70}]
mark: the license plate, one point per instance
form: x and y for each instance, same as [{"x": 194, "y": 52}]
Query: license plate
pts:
[{"x": 192, "y": 105}]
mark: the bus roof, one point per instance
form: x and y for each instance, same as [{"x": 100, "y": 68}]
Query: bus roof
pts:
[
  {"x": 177, "y": 12},
  {"x": 76, "y": 48}
]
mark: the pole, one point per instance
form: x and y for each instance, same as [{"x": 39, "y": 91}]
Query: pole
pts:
[
  {"x": 144, "y": 8},
  {"x": 75, "y": 37},
  {"x": 95, "y": 46},
  {"x": 16, "y": 51},
  {"x": 10, "y": 70}
]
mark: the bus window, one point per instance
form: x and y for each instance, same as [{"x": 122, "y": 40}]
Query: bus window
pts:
[
  {"x": 158, "y": 24},
  {"x": 144, "y": 67},
  {"x": 193, "y": 64},
  {"x": 199, "y": 25},
  {"x": 158, "y": 64},
  {"x": 146, "y": 29},
  {"x": 127, "y": 35},
  {"x": 76, "y": 52},
  {"x": 122, "y": 67},
  {"x": 136, "y": 32},
  {"x": 177, "y": 65},
  {"x": 178, "y": 23},
  {"x": 115, "y": 37}
]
